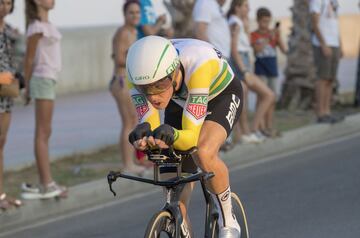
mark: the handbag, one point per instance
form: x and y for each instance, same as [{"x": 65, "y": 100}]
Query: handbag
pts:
[{"x": 9, "y": 86}]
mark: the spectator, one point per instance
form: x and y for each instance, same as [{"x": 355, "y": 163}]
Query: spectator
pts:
[
  {"x": 264, "y": 42},
  {"x": 240, "y": 59},
  {"x": 123, "y": 38},
  {"x": 327, "y": 52},
  {"x": 6, "y": 103},
  {"x": 151, "y": 22},
  {"x": 211, "y": 25},
  {"x": 41, "y": 67}
]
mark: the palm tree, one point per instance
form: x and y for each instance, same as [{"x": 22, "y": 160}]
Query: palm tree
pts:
[{"x": 298, "y": 88}]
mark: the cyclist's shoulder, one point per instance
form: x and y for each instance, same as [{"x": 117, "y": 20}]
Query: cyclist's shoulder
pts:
[
  {"x": 195, "y": 54},
  {"x": 188, "y": 47}
]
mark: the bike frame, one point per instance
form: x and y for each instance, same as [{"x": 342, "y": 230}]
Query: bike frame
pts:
[{"x": 175, "y": 186}]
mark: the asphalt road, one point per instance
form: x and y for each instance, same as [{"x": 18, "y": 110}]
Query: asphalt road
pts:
[{"x": 311, "y": 194}]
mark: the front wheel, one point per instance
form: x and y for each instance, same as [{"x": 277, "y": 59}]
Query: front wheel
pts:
[
  {"x": 161, "y": 225},
  {"x": 239, "y": 212},
  {"x": 240, "y": 215}
]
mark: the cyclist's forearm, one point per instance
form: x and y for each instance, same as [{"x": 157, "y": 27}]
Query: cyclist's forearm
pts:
[{"x": 185, "y": 139}]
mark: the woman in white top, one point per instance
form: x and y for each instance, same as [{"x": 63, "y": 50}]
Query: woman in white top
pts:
[
  {"x": 240, "y": 60},
  {"x": 41, "y": 66}
]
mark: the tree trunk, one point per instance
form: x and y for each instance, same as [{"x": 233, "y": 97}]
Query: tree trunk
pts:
[
  {"x": 182, "y": 16},
  {"x": 357, "y": 87},
  {"x": 298, "y": 88}
]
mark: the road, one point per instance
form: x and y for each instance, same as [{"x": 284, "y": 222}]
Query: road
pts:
[{"x": 312, "y": 194}]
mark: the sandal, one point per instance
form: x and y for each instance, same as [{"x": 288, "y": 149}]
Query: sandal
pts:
[{"x": 6, "y": 202}]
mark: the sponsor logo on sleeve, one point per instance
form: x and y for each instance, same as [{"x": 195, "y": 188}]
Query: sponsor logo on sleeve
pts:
[
  {"x": 197, "y": 105},
  {"x": 141, "y": 105}
]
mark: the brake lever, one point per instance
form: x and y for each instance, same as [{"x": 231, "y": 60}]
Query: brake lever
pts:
[{"x": 111, "y": 178}]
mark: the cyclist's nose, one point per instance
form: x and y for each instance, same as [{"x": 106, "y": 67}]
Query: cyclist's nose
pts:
[{"x": 153, "y": 98}]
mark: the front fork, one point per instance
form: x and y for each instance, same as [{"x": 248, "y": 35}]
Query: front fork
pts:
[
  {"x": 211, "y": 212},
  {"x": 172, "y": 205}
]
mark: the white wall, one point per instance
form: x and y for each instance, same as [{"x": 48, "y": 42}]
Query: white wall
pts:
[{"x": 86, "y": 59}]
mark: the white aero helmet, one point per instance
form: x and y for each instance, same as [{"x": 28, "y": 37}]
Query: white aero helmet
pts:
[{"x": 151, "y": 59}]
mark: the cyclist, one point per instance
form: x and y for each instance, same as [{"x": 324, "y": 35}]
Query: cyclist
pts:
[{"x": 194, "y": 84}]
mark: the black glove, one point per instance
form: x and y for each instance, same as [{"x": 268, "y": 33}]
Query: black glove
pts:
[
  {"x": 164, "y": 133},
  {"x": 139, "y": 132}
]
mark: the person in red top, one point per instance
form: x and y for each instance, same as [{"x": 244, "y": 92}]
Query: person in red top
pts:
[{"x": 264, "y": 42}]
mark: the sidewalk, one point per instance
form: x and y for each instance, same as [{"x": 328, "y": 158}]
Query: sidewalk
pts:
[
  {"x": 82, "y": 122},
  {"x": 95, "y": 193}
]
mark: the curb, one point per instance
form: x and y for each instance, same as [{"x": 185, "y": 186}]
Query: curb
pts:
[{"x": 97, "y": 192}]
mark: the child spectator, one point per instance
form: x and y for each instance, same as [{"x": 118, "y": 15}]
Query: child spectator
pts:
[
  {"x": 240, "y": 60},
  {"x": 264, "y": 42},
  {"x": 123, "y": 38},
  {"x": 6, "y": 103},
  {"x": 41, "y": 67}
]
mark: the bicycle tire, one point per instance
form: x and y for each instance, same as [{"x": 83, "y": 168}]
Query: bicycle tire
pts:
[
  {"x": 161, "y": 225},
  {"x": 214, "y": 228},
  {"x": 239, "y": 212}
]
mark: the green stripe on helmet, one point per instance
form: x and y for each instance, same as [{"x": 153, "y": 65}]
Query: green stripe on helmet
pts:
[{"x": 161, "y": 57}]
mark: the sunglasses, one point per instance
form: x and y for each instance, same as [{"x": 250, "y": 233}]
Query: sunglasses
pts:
[{"x": 157, "y": 87}]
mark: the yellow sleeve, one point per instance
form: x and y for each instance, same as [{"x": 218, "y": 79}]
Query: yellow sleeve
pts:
[{"x": 195, "y": 109}]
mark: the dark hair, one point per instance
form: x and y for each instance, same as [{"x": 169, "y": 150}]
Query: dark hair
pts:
[
  {"x": 12, "y": 6},
  {"x": 128, "y": 3},
  {"x": 31, "y": 12},
  {"x": 234, "y": 4},
  {"x": 263, "y": 12}
]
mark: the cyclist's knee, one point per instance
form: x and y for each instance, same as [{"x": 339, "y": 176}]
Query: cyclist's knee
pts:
[{"x": 207, "y": 155}]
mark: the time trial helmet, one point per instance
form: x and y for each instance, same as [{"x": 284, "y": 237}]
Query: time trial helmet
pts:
[{"x": 150, "y": 64}]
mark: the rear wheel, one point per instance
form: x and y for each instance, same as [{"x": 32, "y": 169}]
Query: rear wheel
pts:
[
  {"x": 239, "y": 212},
  {"x": 161, "y": 225}
]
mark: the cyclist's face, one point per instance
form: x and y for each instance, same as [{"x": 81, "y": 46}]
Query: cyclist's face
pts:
[
  {"x": 161, "y": 100},
  {"x": 132, "y": 14}
]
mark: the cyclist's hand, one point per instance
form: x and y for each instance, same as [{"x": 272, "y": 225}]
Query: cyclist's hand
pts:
[
  {"x": 164, "y": 136},
  {"x": 138, "y": 137}
]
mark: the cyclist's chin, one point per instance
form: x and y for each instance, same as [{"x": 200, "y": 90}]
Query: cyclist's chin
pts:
[{"x": 159, "y": 106}]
